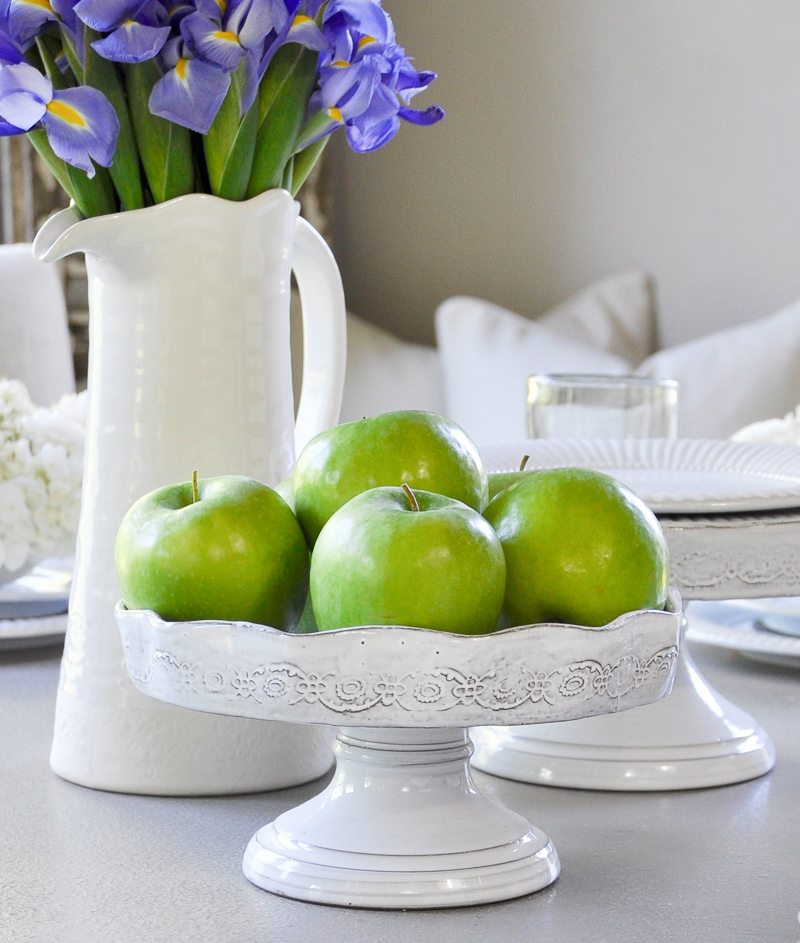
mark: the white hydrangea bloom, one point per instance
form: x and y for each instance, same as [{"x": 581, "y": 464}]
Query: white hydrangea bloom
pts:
[
  {"x": 784, "y": 431},
  {"x": 41, "y": 466}
]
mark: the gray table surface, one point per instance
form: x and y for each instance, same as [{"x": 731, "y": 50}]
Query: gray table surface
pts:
[{"x": 707, "y": 865}]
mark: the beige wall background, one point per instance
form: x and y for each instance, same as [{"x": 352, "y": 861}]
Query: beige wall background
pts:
[{"x": 584, "y": 137}]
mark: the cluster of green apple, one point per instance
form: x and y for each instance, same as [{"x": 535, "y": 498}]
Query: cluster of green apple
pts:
[{"x": 389, "y": 522}]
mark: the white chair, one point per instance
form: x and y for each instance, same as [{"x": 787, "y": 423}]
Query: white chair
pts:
[{"x": 34, "y": 335}]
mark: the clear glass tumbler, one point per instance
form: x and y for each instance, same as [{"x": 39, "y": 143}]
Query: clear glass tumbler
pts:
[{"x": 585, "y": 406}]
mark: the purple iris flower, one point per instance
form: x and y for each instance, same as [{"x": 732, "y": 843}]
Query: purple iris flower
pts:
[
  {"x": 249, "y": 32},
  {"x": 80, "y": 123},
  {"x": 223, "y": 37},
  {"x": 136, "y": 30},
  {"x": 366, "y": 81}
]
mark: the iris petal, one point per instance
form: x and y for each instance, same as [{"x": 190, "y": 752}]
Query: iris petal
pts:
[
  {"x": 82, "y": 126},
  {"x": 377, "y": 125},
  {"x": 26, "y": 18},
  {"x": 253, "y": 20},
  {"x": 8, "y": 130},
  {"x": 306, "y": 32},
  {"x": 190, "y": 94},
  {"x": 104, "y": 15},
  {"x": 24, "y": 94},
  {"x": 212, "y": 44},
  {"x": 9, "y": 54},
  {"x": 430, "y": 116},
  {"x": 365, "y": 16},
  {"x": 132, "y": 42}
]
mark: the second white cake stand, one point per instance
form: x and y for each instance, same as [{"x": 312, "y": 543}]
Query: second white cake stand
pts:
[
  {"x": 402, "y": 824},
  {"x": 696, "y": 738}
]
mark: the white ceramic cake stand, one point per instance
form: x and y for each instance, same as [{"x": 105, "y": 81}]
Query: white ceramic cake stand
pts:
[{"x": 402, "y": 824}]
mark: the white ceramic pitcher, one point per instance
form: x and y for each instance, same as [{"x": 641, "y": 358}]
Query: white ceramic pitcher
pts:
[{"x": 189, "y": 368}]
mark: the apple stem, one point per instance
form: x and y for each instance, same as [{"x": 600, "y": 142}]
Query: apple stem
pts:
[
  {"x": 195, "y": 492},
  {"x": 524, "y": 462},
  {"x": 412, "y": 498}
]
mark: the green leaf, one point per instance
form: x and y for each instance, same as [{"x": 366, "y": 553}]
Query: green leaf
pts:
[
  {"x": 164, "y": 147},
  {"x": 283, "y": 99},
  {"x": 95, "y": 197},
  {"x": 49, "y": 48},
  {"x": 288, "y": 175},
  {"x": 125, "y": 170},
  {"x": 304, "y": 162},
  {"x": 230, "y": 144},
  {"x": 72, "y": 55}
]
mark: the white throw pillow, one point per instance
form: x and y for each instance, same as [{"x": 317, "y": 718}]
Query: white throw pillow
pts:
[
  {"x": 617, "y": 314},
  {"x": 734, "y": 377},
  {"x": 488, "y": 354},
  {"x": 383, "y": 373}
]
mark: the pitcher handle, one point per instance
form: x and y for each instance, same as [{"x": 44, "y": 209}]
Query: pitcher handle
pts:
[{"x": 324, "y": 334}]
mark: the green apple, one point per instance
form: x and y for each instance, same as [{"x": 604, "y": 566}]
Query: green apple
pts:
[
  {"x": 228, "y": 549},
  {"x": 499, "y": 481},
  {"x": 580, "y": 547},
  {"x": 422, "y": 449},
  {"x": 393, "y": 556},
  {"x": 286, "y": 491}
]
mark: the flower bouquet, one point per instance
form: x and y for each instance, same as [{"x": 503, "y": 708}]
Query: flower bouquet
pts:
[
  {"x": 41, "y": 462},
  {"x": 134, "y": 102}
]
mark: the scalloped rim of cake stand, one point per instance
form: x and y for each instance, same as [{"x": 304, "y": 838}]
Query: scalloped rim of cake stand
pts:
[
  {"x": 402, "y": 824},
  {"x": 404, "y": 676}
]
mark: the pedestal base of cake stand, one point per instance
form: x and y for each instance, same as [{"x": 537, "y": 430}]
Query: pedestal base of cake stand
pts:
[
  {"x": 691, "y": 739},
  {"x": 401, "y": 825}
]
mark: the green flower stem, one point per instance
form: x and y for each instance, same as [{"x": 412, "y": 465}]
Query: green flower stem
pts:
[
  {"x": 165, "y": 148},
  {"x": 95, "y": 197},
  {"x": 230, "y": 144},
  {"x": 283, "y": 98},
  {"x": 125, "y": 170},
  {"x": 48, "y": 47},
  {"x": 72, "y": 56},
  {"x": 288, "y": 175},
  {"x": 304, "y": 163}
]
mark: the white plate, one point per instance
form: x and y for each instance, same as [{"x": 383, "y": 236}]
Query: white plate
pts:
[
  {"x": 780, "y": 614},
  {"x": 673, "y": 476},
  {"x": 32, "y": 633},
  {"x": 729, "y": 625},
  {"x": 40, "y": 591}
]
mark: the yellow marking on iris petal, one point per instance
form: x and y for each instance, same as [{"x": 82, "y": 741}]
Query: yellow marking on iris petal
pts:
[
  {"x": 60, "y": 110},
  {"x": 366, "y": 39},
  {"x": 222, "y": 4},
  {"x": 180, "y": 68},
  {"x": 300, "y": 19},
  {"x": 226, "y": 35},
  {"x": 41, "y": 3},
  {"x": 335, "y": 114},
  {"x": 340, "y": 64}
]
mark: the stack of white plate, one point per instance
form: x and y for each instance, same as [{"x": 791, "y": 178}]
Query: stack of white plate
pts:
[{"x": 33, "y": 607}]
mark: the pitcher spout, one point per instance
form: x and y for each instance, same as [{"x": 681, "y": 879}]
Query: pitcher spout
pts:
[{"x": 60, "y": 236}]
